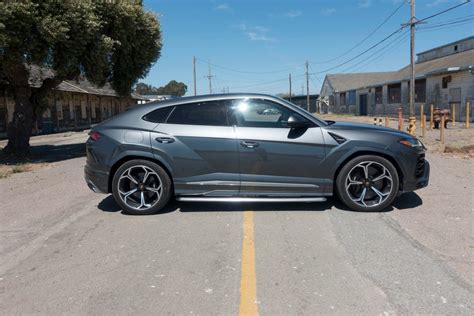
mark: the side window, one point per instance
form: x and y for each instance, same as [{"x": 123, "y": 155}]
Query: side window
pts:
[
  {"x": 259, "y": 113},
  {"x": 159, "y": 115},
  {"x": 211, "y": 113}
]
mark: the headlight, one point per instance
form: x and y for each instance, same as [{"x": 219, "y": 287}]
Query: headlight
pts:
[{"x": 411, "y": 142}]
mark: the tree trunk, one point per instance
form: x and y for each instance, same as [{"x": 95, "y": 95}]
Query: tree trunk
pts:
[{"x": 19, "y": 129}]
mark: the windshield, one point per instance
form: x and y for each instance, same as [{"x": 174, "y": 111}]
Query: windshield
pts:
[{"x": 320, "y": 120}]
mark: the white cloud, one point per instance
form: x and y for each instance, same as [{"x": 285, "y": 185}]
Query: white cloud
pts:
[
  {"x": 256, "y": 32},
  {"x": 365, "y": 3},
  {"x": 223, "y": 7},
  {"x": 254, "y": 36},
  {"x": 328, "y": 11},
  {"x": 293, "y": 13}
]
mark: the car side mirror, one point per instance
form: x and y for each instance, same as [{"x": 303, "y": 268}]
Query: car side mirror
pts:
[{"x": 297, "y": 121}]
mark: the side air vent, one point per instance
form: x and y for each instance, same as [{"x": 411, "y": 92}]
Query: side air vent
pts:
[{"x": 337, "y": 138}]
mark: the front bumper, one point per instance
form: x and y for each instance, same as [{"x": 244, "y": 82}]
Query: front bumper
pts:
[
  {"x": 416, "y": 183},
  {"x": 98, "y": 181}
]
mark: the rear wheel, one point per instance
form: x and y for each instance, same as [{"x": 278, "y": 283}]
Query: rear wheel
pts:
[
  {"x": 367, "y": 183},
  {"x": 141, "y": 187}
]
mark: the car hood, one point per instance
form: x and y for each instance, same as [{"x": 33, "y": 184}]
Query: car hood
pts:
[{"x": 367, "y": 127}]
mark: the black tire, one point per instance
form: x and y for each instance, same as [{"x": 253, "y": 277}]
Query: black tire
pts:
[
  {"x": 162, "y": 200},
  {"x": 344, "y": 195}
]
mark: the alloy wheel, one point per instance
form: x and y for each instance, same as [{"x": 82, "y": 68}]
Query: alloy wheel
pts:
[
  {"x": 369, "y": 184},
  {"x": 140, "y": 187}
]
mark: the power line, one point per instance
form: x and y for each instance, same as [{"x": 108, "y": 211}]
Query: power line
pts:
[
  {"x": 444, "y": 11},
  {"x": 446, "y": 24},
  {"x": 265, "y": 83},
  {"x": 453, "y": 20},
  {"x": 362, "y": 53},
  {"x": 379, "y": 52},
  {"x": 423, "y": 30},
  {"x": 365, "y": 38},
  {"x": 390, "y": 35},
  {"x": 242, "y": 71}
]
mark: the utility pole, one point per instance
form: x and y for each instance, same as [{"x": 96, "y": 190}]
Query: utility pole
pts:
[
  {"x": 307, "y": 87},
  {"x": 194, "y": 74},
  {"x": 289, "y": 78},
  {"x": 412, "y": 117},
  {"x": 209, "y": 77}
]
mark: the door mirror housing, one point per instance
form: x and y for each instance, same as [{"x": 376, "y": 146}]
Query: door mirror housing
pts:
[{"x": 297, "y": 121}]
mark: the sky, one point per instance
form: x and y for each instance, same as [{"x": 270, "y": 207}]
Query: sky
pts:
[{"x": 253, "y": 46}]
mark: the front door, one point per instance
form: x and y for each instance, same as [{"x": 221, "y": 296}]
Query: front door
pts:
[
  {"x": 274, "y": 159},
  {"x": 201, "y": 148}
]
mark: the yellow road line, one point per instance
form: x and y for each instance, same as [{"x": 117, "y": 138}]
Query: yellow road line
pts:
[{"x": 248, "y": 279}]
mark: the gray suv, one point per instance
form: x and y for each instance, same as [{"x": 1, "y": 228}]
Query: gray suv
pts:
[{"x": 248, "y": 148}]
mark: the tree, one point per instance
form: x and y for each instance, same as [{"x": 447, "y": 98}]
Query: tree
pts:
[
  {"x": 143, "y": 88},
  {"x": 173, "y": 88},
  {"x": 100, "y": 40}
]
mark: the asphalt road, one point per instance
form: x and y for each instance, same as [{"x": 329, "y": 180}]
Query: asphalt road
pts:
[{"x": 66, "y": 250}]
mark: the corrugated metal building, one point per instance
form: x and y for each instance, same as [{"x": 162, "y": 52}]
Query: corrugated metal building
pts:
[{"x": 444, "y": 77}]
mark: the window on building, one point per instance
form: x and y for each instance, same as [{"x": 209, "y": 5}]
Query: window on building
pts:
[
  {"x": 455, "y": 95},
  {"x": 455, "y": 48},
  {"x": 378, "y": 95},
  {"x": 342, "y": 98},
  {"x": 352, "y": 97},
  {"x": 446, "y": 80},
  {"x": 211, "y": 113},
  {"x": 394, "y": 93}
]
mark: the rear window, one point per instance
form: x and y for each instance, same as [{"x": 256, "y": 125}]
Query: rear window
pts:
[
  {"x": 158, "y": 116},
  {"x": 212, "y": 113}
]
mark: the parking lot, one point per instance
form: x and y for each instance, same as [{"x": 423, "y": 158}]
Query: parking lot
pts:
[{"x": 66, "y": 250}]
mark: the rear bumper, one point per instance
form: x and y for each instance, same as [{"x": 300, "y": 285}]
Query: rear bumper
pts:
[
  {"x": 414, "y": 183},
  {"x": 98, "y": 181}
]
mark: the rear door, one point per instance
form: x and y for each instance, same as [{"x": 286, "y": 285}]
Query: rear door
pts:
[
  {"x": 200, "y": 146},
  {"x": 276, "y": 160}
]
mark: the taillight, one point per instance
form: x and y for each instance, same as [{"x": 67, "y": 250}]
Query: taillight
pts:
[{"x": 95, "y": 136}]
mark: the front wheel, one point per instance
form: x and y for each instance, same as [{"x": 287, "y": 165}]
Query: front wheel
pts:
[
  {"x": 367, "y": 183},
  {"x": 141, "y": 187}
]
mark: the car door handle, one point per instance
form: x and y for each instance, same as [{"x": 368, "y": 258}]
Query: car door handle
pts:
[
  {"x": 165, "y": 140},
  {"x": 249, "y": 144}
]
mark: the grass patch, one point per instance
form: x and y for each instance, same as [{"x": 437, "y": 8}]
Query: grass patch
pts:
[
  {"x": 7, "y": 170},
  {"x": 459, "y": 150},
  {"x": 19, "y": 168}
]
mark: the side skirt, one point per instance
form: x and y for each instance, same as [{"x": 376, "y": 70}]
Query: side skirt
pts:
[{"x": 249, "y": 199}]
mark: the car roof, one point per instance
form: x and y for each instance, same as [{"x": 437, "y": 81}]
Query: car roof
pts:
[{"x": 210, "y": 97}]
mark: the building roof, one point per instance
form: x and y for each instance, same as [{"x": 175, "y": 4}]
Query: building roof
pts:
[
  {"x": 448, "y": 64},
  {"x": 346, "y": 82},
  {"x": 82, "y": 85},
  {"x": 445, "y": 45}
]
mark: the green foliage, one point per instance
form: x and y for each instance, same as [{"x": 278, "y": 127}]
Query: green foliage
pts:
[
  {"x": 116, "y": 42},
  {"x": 173, "y": 88}
]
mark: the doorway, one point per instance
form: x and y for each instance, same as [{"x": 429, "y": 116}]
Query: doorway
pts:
[{"x": 363, "y": 104}]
